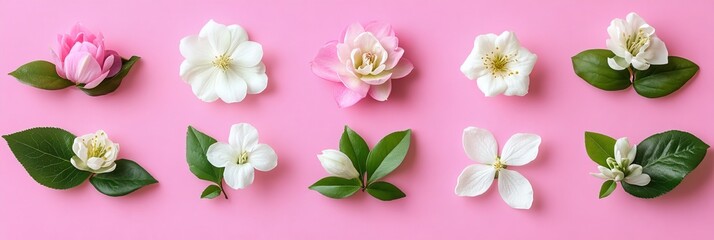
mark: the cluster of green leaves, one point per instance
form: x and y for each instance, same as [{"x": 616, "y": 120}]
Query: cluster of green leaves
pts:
[
  {"x": 197, "y": 144},
  {"x": 666, "y": 157},
  {"x": 43, "y": 75},
  {"x": 657, "y": 81},
  {"x": 46, "y": 152},
  {"x": 372, "y": 166}
]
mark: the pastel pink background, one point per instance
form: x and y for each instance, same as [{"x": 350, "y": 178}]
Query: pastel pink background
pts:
[{"x": 297, "y": 116}]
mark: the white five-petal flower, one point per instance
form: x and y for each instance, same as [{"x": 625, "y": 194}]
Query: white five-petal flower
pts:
[
  {"x": 500, "y": 65},
  {"x": 222, "y": 63},
  {"x": 634, "y": 42},
  {"x": 95, "y": 153},
  {"x": 241, "y": 155},
  {"x": 337, "y": 164},
  {"x": 621, "y": 168},
  {"x": 481, "y": 147}
]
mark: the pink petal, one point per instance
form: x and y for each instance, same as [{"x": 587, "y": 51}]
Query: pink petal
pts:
[
  {"x": 379, "y": 29},
  {"x": 389, "y": 43},
  {"x": 394, "y": 57},
  {"x": 95, "y": 82},
  {"x": 355, "y": 84},
  {"x": 58, "y": 65},
  {"x": 346, "y": 97},
  {"x": 80, "y": 67},
  {"x": 326, "y": 63},
  {"x": 351, "y": 32},
  {"x": 381, "y": 92},
  {"x": 115, "y": 62},
  {"x": 403, "y": 68}
]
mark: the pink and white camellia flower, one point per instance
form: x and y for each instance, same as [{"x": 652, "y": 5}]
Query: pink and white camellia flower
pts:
[
  {"x": 363, "y": 61},
  {"x": 82, "y": 58}
]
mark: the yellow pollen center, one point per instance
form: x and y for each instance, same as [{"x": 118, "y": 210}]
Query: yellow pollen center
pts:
[
  {"x": 498, "y": 165},
  {"x": 222, "y": 62},
  {"x": 243, "y": 158},
  {"x": 97, "y": 148},
  {"x": 497, "y": 63},
  {"x": 635, "y": 42}
]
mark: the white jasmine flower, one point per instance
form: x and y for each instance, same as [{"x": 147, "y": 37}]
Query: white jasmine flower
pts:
[
  {"x": 634, "y": 42},
  {"x": 95, "y": 153},
  {"x": 241, "y": 155},
  {"x": 621, "y": 168},
  {"x": 337, "y": 164}
]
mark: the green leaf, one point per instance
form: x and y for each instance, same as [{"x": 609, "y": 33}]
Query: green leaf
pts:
[
  {"x": 591, "y": 65},
  {"x": 388, "y": 154},
  {"x": 197, "y": 144},
  {"x": 354, "y": 146},
  {"x": 667, "y": 157},
  {"x": 126, "y": 178},
  {"x": 385, "y": 191},
  {"x": 661, "y": 80},
  {"x": 211, "y": 192},
  {"x": 599, "y": 147},
  {"x": 41, "y": 74},
  {"x": 111, "y": 84},
  {"x": 45, "y": 154},
  {"x": 607, "y": 188},
  {"x": 336, "y": 187}
]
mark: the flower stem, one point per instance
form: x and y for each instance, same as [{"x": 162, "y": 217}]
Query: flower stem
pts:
[
  {"x": 632, "y": 73},
  {"x": 225, "y": 195}
]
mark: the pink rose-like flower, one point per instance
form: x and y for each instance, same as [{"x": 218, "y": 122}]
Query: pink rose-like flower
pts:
[
  {"x": 82, "y": 58},
  {"x": 363, "y": 61}
]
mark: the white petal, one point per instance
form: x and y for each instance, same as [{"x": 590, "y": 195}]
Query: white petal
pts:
[
  {"x": 617, "y": 175},
  {"x": 78, "y": 164},
  {"x": 337, "y": 164},
  {"x": 248, "y": 54},
  {"x": 221, "y": 154},
  {"x": 203, "y": 82},
  {"x": 617, "y": 63},
  {"x": 633, "y": 153},
  {"x": 639, "y": 180},
  {"x": 606, "y": 172},
  {"x": 634, "y": 169},
  {"x": 263, "y": 158},
  {"x": 195, "y": 49},
  {"x": 230, "y": 87},
  {"x": 218, "y": 36},
  {"x": 640, "y": 64},
  {"x": 622, "y": 149},
  {"x": 254, "y": 77},
  {"x": 517, "y": 85},
  {"x": 238, "y": 176},
  {"x": 79, "y": 149},
  {"x": 520, "y": 149},
  {"x": 95, "y": 163},
  {"x": 243, "y": 136},
  {"x": 473, "y": 67},
  {"x": 515, "y": 189},
  {"x": 491, "y": 86},
  {"x": 599, "y": 175},
  {"x": 657, "y": 53},
  {"x": 480, "y": 145},
  {"x": 474, "y": 180},
  {"x": 508, "y": 43}
]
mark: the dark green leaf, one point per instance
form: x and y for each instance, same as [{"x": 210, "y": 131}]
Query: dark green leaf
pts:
[
  {"x": 111, "y": 84},
  {"x": 211, "y": 192},
  {"x": 607, "y": 188},
  {"x": 197, "y": 144},
  {"x": 388, "y": 154},
  {"x": 599, "y": 147},
  {"x": 354, "y": 146},
  {"x": 336, "y": 187},
  {"x": 385, "y": 191},
  {"x": 591, "y": 65},
  {"x": 126, "y": 178},
  {"x": 667, "y": 157},
  {"x": 41, "y": 74},
  {"x": 661, "y": 80},
  {"x": 45, "y": 153}
]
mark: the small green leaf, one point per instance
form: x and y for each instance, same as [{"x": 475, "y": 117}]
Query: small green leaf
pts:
[
  {"x": 662, "y": 80},
  {"x": 126, "y": 178},
  {"x": 211, "y": 192},
  {"x": 667, "y": 158},
  {"x": 354, "y": 146},
  {"x": 111, "y": 84},
  {"x": 197, "y": 144},
  {"x": 607, "y": 188},
  {"x": 385, "y": 191},
  {"x": 591, "y": 65},
  {"x": 45, "y": 154},
  {"x": 41, "y": 74},
  {"x": 388, "y": 154},
  {"x": 336, "y": 187},
  {"x": 599, "y": 147}
]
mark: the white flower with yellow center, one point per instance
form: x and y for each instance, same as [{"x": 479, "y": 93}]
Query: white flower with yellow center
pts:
[
  {"x": 634, "y": 42},
  {"x": 621, "y": 167},
  {"x": 95, "y": 153},
  {"x": 241, "y": 155},
  {"x": 481, "y": 147},
  {"x": 222, "y": 63},
  {"x": 500, "y": 65}
]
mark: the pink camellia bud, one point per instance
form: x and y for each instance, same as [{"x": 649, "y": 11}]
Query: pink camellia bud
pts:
[{"x": 82, "y": 58}]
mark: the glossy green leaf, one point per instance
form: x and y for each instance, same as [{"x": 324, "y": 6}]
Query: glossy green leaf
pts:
[
  {"x": 591, "y": 65},
  {"x": 385, "y": 191},
  {"x": 197, "y": 144},
  {"x": 667, "y": 157},
  {"x": 111, "y": 84},
  {"x": 126, "y": 178},
  {"x": 211, "y": 192},
  {"x": 599, "y": 147},
  {"x": 336, "y": 187},
  {"x": 388, "y": 154},
  {"x": 662, "y": 80},
  {"x": 41, "y": 74},
  {"x": 607, "y": 188},
  {"x": 45, "y": 154},
  {"x": 354, "y": 146}
]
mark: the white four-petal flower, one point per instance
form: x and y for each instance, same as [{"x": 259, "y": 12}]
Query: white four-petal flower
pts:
[
  {"x": 241, "y": 155},
  {"x": 481, "y": 147},
  {"x": 621, "y": 168},
  {"x": 634, "y": 42},
  {"x": 222, "y": 63}
]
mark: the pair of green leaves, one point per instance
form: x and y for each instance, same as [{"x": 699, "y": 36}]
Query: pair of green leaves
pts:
[
  {"x": 45, "y": 154},
  {"x": 197, "y": 144},
  {"x": 43, "y": 75},
  {"x": 666, "y": 157},
  {"x": 373, "y": 165},
  {"x": 657, "y": 81}
]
